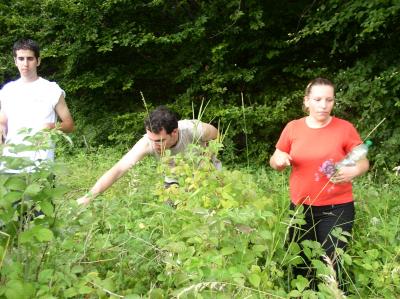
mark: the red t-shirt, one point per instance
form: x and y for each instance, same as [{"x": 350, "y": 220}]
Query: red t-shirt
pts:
[{"x": 314, "y": 153}]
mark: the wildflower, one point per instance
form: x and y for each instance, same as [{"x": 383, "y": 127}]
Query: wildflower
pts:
[{"x": 328, "y": 168}]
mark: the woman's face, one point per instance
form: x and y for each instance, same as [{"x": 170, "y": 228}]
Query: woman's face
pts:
[{"x": 319, "y": 102}]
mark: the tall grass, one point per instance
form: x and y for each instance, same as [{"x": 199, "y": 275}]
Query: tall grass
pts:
[{"x": 128, "y": 241}]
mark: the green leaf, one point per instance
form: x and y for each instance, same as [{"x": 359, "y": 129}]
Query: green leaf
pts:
[
  {"x": 47, "y": 208},
  {"x": 26, "y": 236},
  {"x": 301, "y": 283},
  {"x": 33, "y": 189},
  {"x": 156, "y": 294},
  {"x": 15, "y": 183},
  {"x": 83, "y": 289},
  {"x": 259, "y": 248},
  {"x": 77, "y": 269},
  {"x": 16, "y": 289},
  {"x": 71, "y": 292},
  {"x": 176, "y": 247},
  {"x": 13, "y": 196},
  {"x": 347, "y": 259},
  {"x": 42, "y": 234},
  {"x": 228, "y": 250},
  {"x": 294, "y": 294},
  {"x": 255, "y": 279},
  {"x": 46, "y": 275},
  {"x": 367, "y": 266}
]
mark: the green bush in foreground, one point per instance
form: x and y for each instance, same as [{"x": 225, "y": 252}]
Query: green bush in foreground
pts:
[{"x": 220, "y": 234}]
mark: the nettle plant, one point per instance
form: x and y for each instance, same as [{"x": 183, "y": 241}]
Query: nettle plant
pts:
[
  {"x": 27, "y": 215},
  {"x": 222, "y": 233}
]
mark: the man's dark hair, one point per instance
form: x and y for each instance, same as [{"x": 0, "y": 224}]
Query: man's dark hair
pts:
[
  {"x": 26, "y": 44},
  {"x": 161, "y": 118}
]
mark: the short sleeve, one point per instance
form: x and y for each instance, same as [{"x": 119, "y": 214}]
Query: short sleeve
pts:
[
  {"x": 284, "y": 143},
  {"x": 353, "y": 138},
  {"x": 197, "y": 129},
  {"x": 3, "y": 99},
  {"x": 55, "y": 92}
]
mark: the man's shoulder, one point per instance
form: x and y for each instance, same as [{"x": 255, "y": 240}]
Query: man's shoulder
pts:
[
  {"x": 143, "y": 146},
  {"x": 45, "y": 82},
  {"x": 188, "y": 123},
  {"x": 7, "y": 92},
  {"x": 10, "y": 85}
]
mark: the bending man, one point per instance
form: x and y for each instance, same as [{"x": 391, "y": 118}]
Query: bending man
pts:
[{"x": 163, "y": 131}]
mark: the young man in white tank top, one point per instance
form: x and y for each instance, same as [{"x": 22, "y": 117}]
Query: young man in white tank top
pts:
[{"x": 30, "y": 102}]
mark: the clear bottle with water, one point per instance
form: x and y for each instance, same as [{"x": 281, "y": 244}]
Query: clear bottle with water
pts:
[{"x": 356, "y": 154}]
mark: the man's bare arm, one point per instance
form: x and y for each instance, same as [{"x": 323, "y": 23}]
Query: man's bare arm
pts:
[
  {"x": 209, "y": 132},
  {"x": 3, "y": 127},
  {"x": 66, "y": 121},
  {"x": 137, "y": 153}
]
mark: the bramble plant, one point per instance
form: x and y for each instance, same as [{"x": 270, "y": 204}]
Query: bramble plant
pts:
[
  {"x": 27, "y": 214},
  {"x": 220, "y": 233}
]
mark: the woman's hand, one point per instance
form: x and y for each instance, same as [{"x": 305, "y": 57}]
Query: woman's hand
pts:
[
  {"x": 280, "y": 160},
  {"x": 344, "y": 175},
  {"x": 348, "y": 173}
]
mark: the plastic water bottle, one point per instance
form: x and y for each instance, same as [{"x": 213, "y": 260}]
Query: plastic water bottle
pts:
[{"x": 356, "y": 154}]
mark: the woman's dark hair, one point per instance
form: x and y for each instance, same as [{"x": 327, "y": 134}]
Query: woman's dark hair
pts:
[{"x": 161, "y": 118}]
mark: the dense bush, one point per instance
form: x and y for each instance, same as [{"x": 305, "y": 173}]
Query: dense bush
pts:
[{"x": 219, "y": 234}]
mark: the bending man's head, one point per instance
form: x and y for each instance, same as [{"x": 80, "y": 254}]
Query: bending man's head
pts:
[{"x": 162, "y": 129}]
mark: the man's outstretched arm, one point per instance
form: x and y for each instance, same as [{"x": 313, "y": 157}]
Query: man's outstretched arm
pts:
[{"x": 137, "y": 153}]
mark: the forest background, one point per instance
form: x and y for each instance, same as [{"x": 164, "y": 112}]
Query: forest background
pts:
[{"x": 248, "y": 62}]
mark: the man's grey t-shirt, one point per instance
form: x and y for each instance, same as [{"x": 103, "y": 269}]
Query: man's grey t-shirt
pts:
[{"x": 190, "y": 132}]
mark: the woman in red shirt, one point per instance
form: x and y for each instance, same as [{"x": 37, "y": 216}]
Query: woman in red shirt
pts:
[{"x": 311, "y": 146}]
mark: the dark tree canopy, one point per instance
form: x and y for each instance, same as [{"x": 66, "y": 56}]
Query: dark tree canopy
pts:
[{"x": 248, "y": 62}]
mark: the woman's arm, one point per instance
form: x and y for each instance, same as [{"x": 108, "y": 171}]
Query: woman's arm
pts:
[{"x": 348, "y": 173}]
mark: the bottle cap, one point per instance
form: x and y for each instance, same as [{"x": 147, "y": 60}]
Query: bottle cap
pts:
[{"x": 368, "y": 142}]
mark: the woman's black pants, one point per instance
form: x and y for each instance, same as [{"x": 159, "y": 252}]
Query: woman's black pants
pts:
[{"x": 320, "y": 221}]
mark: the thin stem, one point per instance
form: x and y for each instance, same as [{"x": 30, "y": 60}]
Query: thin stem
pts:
[
  {"x": 375, "y": 128},
  {"x": 245, "y": 132}
]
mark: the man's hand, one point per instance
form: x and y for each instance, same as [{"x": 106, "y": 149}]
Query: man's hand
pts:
[
  {"x": 397, "y": 170},
  {"x": 3, "y": 127},
  {"x": 49, "y": 126},
  {"x": 85, "y": 200}
]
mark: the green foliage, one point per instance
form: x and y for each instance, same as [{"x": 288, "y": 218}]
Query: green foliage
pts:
[
  {"x": 374, "y": 257},
  {"x": 220, "y": 233},
  {"x": 27, "y": 216},
  {"x": 357, "y": 46}
]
